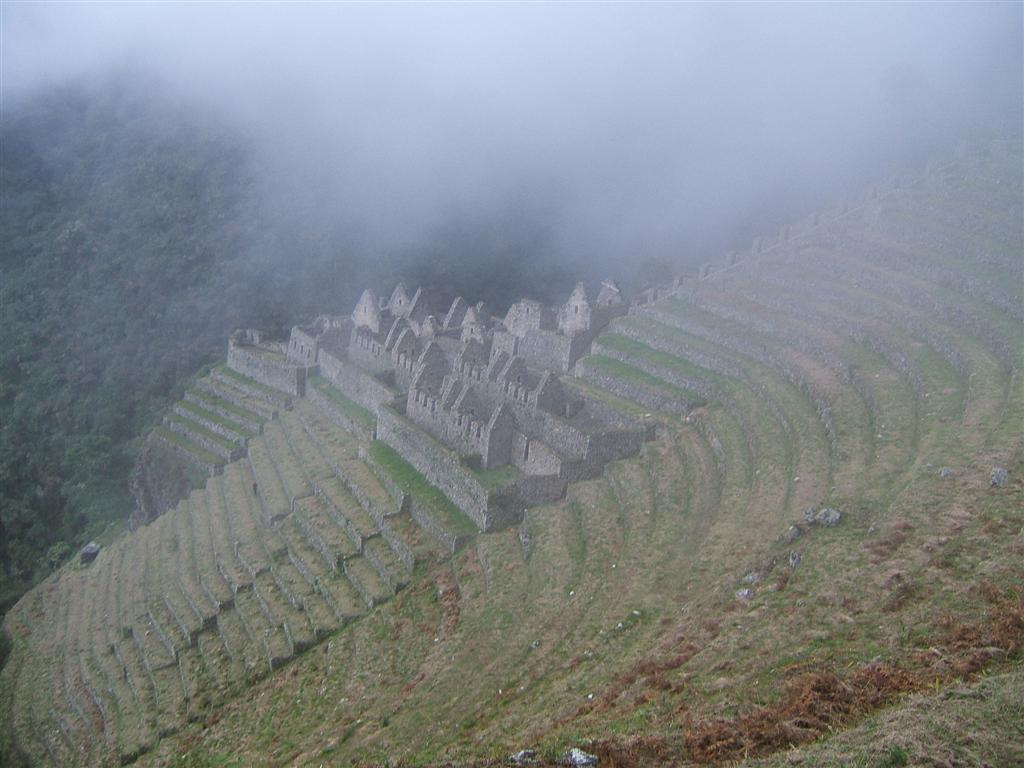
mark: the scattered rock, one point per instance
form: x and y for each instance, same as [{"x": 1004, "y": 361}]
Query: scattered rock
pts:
[
  {"x": 89, "y": 552},
  {"x": 794, "y": 559},
  {"x": 577, "y": 756},
  {"x": 752, "y": 578},
  {"x": 946, "y": 472},
  {"x": 999, "y": 477},
  {"x": 794, "y": 533},
  {"x": 744, "y": 594},
  {"x": 809, "y": 515},
  {"x": 523, "y": 757},
  {"x": 828, "y": 517}
]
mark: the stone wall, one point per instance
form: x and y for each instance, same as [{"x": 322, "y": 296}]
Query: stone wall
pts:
[
  {"x": 367, "y": 312},
  {"x": 546, "y": 349},
  {"x": 527, "y": 316},
  {"x": 253, "y": 423},
  {"x": 616, "y": 418},
  {"x": 427, "y": 522},
  {"x": 357, "y": 385},
  {"x": 905, "y": 294},
  {"x": 440, "y": 466},
  {"x": 763, "y": 353},
  {"x": 498, "y": 439},
  {"x": 368, "y": 352},
  {"x": 665, "y": 342},
  {"x": 400, "y": 497},
  {"x": 428, "y": 412},
  {"x": 803, "y": 310},
  {"x": 649, "y": 397},
  {"x": 533, "y": 457},
  {"x": 280, "y": 375},
  {"x": 302, "y": 347},
  {"x": 563, "y": 437},
  {"x": 608, "y": 446},
  {"x": 204, "y": 442},
  {"x": 398, "y": 546},
  {"x": 214, "y": 426},
  {"x": 503, "y": 342},
  {"x": 225, "y": 385},
  {"x": 404, "y": 368},
  {"x": 700, "y": 386},
  {"x": 553, "y": 350},
  {"x": 337, "y": 415},
  {"x": 527, "y": 492}
]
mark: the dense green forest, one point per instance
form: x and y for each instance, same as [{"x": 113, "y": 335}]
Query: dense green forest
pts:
[{"x": 136, "y": 232}]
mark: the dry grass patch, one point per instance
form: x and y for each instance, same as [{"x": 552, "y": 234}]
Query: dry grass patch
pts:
[{"x": 818, "y": 702}]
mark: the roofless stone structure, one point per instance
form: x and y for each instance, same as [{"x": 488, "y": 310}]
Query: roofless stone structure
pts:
[{"x": 473, "y": 402}]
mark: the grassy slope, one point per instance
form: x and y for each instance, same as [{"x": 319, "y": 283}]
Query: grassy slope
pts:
[
  {"x": 675, "y": 568},
  {"x": 620, "y": 624}
]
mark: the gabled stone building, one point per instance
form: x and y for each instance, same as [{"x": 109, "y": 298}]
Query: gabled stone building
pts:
[{"x": 457, "y": 391}]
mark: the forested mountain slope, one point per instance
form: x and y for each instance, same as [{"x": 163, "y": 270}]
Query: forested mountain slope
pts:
[
  {"x": 121, "y": 225},
  {"x": 137, "y": 229}
]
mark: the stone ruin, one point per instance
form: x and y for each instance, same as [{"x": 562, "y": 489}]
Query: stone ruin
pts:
[{"x": 475, "y": 403}]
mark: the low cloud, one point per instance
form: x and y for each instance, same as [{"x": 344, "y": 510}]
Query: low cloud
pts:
[{"x": 633, "y": 131}]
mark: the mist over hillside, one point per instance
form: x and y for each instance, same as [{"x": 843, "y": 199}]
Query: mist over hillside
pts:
[
  {"x": 659, "y": 131},
  {"x": 136, "y": 235},
  {"x": 172, "y": 172},
  {"x": 765, "y": 497}
]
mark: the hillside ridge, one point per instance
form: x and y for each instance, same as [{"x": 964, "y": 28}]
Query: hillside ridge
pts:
[{"x": 607, "y": 515}]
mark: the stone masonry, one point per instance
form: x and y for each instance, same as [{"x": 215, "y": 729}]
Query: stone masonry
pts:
[{"x": 458, "y": 391}]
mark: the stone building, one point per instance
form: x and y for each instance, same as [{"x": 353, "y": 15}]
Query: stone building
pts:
[{"x": 457, "y": 391}]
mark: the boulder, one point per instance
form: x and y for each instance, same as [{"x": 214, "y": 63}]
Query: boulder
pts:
[
  {"x": 523, "y": 757},
  {"x": 794, "y": 559},
  {"x": 744, "y": 594},
  {"x": 577, "y": 756},
  {"x": 525, "y": 539},
  {"x": 89, "y": 552},
  {"x": 946, "y": 472},
  {"x": 828, "y": 517},
  {"x": 999, "y": 476}
]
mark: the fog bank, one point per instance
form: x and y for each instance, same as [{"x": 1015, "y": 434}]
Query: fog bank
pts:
[{"x": 624, "y": 132}]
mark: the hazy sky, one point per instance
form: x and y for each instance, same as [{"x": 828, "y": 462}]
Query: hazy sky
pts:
[{"x": 653, "y": 129}]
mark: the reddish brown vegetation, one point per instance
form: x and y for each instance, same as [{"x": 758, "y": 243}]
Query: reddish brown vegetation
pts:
[
  {"x": 635, "y": 752},
  {"x": 901, "y": 590},
  {"x": 886, "y": 544},
  {"x": 813, "y": 703},
  {"x": 816, "y": 702},
  {"x": 1007, "y": 619}
]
